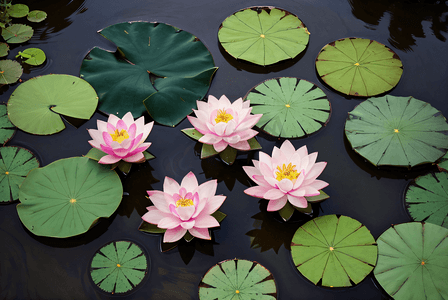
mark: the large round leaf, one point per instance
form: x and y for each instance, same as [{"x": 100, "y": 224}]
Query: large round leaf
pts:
[
  {"x": 181, "y": 66},
  {"x": 68, "y": 196},
  {"x": 18, "y": 10},
  {"x": 413, "y": 261},
  {"x": 36, "y": 104},
  {"x": 36, "y": 16},
  {"x": 263, "y": 35},
  {"x": 291, "y": 107},
  {"x": 7, "y": 130},
  {"x": 397, "y": 131},
  {"x": 427, "y": 198},
  {"x": 17, "y": 33},
  {"x": 238, "y": 279},
  {"x": 10, "y": 71},
  {"x": 15, "y": 164},
  {"x": 359, "y": 67},
  {"x": 119, "y": 267},
  {"x": 336, "y": 251}
]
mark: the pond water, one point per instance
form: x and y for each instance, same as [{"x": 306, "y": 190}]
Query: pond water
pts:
[{"x": 44, "y": 268}]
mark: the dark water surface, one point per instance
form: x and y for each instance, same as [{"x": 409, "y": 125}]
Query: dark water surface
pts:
[{"x": 44, "y": 268}]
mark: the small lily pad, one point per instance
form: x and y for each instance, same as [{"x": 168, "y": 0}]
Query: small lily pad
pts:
[
  {"x": 10, "y": 71},
  {"x": 15, "y": 164},
  {"x": 263, "y": 35},
  {"x": 17, "y": 33},
  {"x": 4, "y": 49},
  {"x": 36, "y": 16},
  {"x": 7, "y": 130},
  {"x": 119, "y": 267},
  {"x": 238, "y": 279},
  {"x": 336, "y": 251},
  {"x": 18, "y": 10},
  {"x": 32, "y": 56},
  {"x": 291, "y": 107},
  {"x": 359, "y": 67}
]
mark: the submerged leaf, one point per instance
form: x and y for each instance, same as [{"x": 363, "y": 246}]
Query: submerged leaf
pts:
[
  {"x": 10, "y": 71},
  {"x": 7, "y": 130},
  {"x": 17, "y": 33},
  {"x": 36, "y": 16}
]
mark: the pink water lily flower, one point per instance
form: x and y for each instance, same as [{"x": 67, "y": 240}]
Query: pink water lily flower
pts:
[
  {"x": 183, "y": 207},
  {"x": 121, "y": 139},
  {"x": 289, "y": 175},
  {"x": 223, "y": 123}
]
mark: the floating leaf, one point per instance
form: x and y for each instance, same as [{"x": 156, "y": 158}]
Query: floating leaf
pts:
[
  {"x": 18, "y": 10},
  {"x": 228, "y": 155},
  {"x": 337, "y": 251},
  {"x": 193, "y": 133},
  {"x": 180, "y": 65},
  {"x": 237, "y": 279},
  {"x": 443, "y": 163},
  {"x": 119, "y": 267},
  {"x": 150, "y": 228},
  {"x": 263, "y": 35},
  {"x": 291, "y": 107},
  {"x": 36, "y": 104},
  {"x": 397, "y": 131},
  {"x": 413, "y": 262},
  {"x": 122, "y": 165},
  {"x": 359, "y": 67},
  {"x": 287, "y": 211},
  {"x": 4, "y": 49},
  {"x": 36, "y": 16},
  {"x": 219, "y": 216},
  {"x": 7, "y": 130},
  {"x": 15, "y": 164},
  {"x": 17, "y": 33},
  {"x": 32, "y": 56},
  {"x": 321, "y": 197},
  {"x": 427, "y": 199},
  {"x": 10, "y": 71},
  {"x": 67, "y": 197}
]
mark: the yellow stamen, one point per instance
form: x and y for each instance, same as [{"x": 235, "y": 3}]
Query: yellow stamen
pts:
[
  {"x": 119, "y": 136},
  {"x": 223, "y": 116},
  {"x": 331, "y": 248},
  {"x": 287, "y": 105},
  {"x": 72, "y": 200},
  {"x": 396, "y": 130},
  {"x": 7, "y": 173},
  {"x": 237, "y": 291},
  {"x": 287, "y": 172},
  {"x": 184, "y": 202},
  {"x": 118, "y": 265},
  {"x": 262, "y": 36},
  {"x": 423, "y": 263},
  {"x": 357, "y": 64}
]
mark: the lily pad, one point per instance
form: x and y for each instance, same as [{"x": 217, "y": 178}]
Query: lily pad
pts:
[
  {"x": 263, "y": 35},
  {"x": 426, "y": 199},
  {"x": 18, "y": 10},
  {"x": 4, "y": 49},
  {"x": 32, "y": 56},
  {"x": 412, "y": 261},
  {"x": 443, "y": 163},
  {"x": 36, "y": 105},
  {"x": 336, "y": 251},
  {"x": 7, "y": 130},
  {"x": 237, "y": 279},
  {"x": 291, "y": 107},
  {"x": 36, "y": 16},
  {"x": 288, "y": 210},
  {"x": 165, "y": 70},
  {"x": 15, "y": 164},
  {"x": 397, "y": 131},
  {"x": 359, "y": 67},
  {"x": 119, "y": 267},
  {"x": 10, "y": 71},
  {"x": 67, "y": 197},
  {"x": 17, "y": 33}
]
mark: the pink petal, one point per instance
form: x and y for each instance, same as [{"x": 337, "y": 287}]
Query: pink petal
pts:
[
  {"x": 259, "y": 179},
  {"x": 224, "y": 101},
  {"x": 121, "y": 125},
  {"x": 249, "y": 122},
  {"x": 203, "y": 106},
  {"x": 271, "y": 181},
  {"x": 311, "y": 161},
  {"x": 132, "y": 130},
  {"x": 264, "y": 158},
  {"x": 201, "y": 233},
  {"x": 159, "y": 200},
  {"x": 297, "y": 193},
  {"x": 146, "y": 131},
  {"x": 241, "y": 145},
  {"x": 302, "y": 151},
  {"x": 251, "y": 171},
  {"x": 230, "y": 128},
  {"x": 120, "y": 152},
  {"x": 299, "y": 180},
  {"x": 278, "y": 204},
  {"x": 298, "y": 201},
  {"x": 237, "y": 105},
  {"x": 170, "y": 186},
  {"x": 142, "y": 147},
  {"x": 189, "y": 182},
  {"x": 206, "y": 221},
  {"x": 173, "y": 235},
  {"x": 314, "y": 172},
  {"x": 96, "y": 135},
  {"x": 213, "y": 204},
  {"x": 318, "y": 184},
  {"x": 113, "y": 119},
  {"x": 220, "y": 128},
  {"x": 220, "y": 146},
  {"x": 285, "y": 185},
  {"x": 109, "y": 159},
  {"x": 188, "y": 225},
  {"x": 199, "y": 208},
  {"x": 310, "y": 191},
  {"x": 140, "y": 122},
  {"x": 101, "y": 125},
  {"x": 169, "y": 222},
  {"x": 210, "y": 138},
  {"x": 247, "y": 134},
  {"x": 198, "y": 125},
  {"x": 257, "y": 191},
  {"x": 154, "y": 215},
  {"x": 135, "y": 158},
  {"x": 265, "y": 170},
  {"x": 128, "y": 119},
  {"x": 212, "y": 100},
  {"x": 107, "y": 149},
  {"x": 185, "y": 212},
  {"x": 110, "y": 128},
  {"x": 273, "y": 194},
  {"x": 107, "y": 138},
  {"x": 233, "y": 139},
  {"x": 288, "y": 149},
  {"x": 246, "y": 104},
  {"x": 95, "y": 144},
  {"x": 208, "y": 189}
]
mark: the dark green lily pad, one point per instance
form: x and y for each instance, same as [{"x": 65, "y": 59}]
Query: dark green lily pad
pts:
[
  {"x": 426, "y": 198},
  {"x": 4, "y": 49},
  {"x": 67, "y": 197},
  {"x": 288, "y": 210},
  {"x": 7, "y": 130},
  {"x": 18, "y": 10},
  {"x": 397, "y": 131},
  {"x": 359, "y": 67},
  {"x": 15, "y": 164},
  {"x": 336, "y": 251},
  {"x": 291, "y": 107},
  {"x": 263, "y": 35},
  {"x": 180, "y": 66},
  {"x": 119, "y": 267},
  {"x": 238, "y": 279},
  {"x": 36, "y": 105},
  {"x": 412, "y": 261},
  {"x": 32, "y": 56},
  {"x": 10, "y": 71},
  {"x": 36, "y": 16},
  {"x": 17, "y": 33}
]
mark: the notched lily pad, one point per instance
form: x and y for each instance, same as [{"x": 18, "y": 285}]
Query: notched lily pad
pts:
[
  {"x": 36, "y": 16},
  {"x": 18, "y": 10},
  {"x": 397, "y": 131},
  {"x": 7, "y": 130},
  {"x": 4, "y": 49},
  {"x": 32, "y": 56},
  {"x": 10, "y": 71},
  {"x": 263, "y": 35},
  {"x": 17, "y": 33},
  {"x": 359, "y": 67},
  {"x": 291, "y": 107}
]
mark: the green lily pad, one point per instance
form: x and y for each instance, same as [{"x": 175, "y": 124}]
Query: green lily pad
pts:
[
  {"x": 443, "y": 163},
  {"x": 10, "y": 71},
  {"x": 237, "y": 279},
  {"x": 18, "y": 10},
  {"x": 36, "y": 105},
  {"x": 15, "y": 164},
  {"x": 359, "y": 67},
  {"x": 288, "y": 210},
  {"x": 263, "y": 35},
  {"x": 17, "y": 33},
  {"x": 119, "y": 267},
  {"x": 67, "y": 197},
  {"x": 413, "y": 262},
  {"x": 7, "y": 130},
  {"x": 426, "y": 199},
  {"x": 36, "y": 16},
  {"x": 397, "y": 131},
  {"x": 4, "y": 49},
  {"x": 336, "y": 251},
  {"x": 32, "y": 56},
  {"x": 180, "y": 66},
  {"x": 291, "y": 107}
]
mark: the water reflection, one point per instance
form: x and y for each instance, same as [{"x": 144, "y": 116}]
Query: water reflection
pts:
[
  {"x": 406, "y": 18},
  {"x": 177, "y": 284}
]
